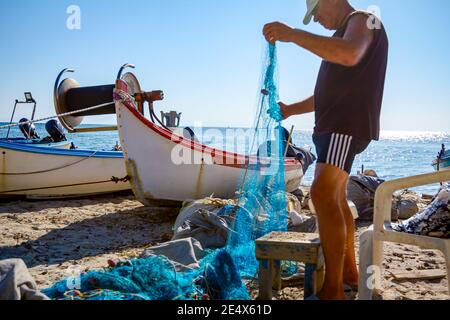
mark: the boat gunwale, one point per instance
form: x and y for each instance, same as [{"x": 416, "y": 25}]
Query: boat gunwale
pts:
[
  {"x": 60, "y": 152},
  {"x": 35, "y": 143},
  {"x": 238, "y": 160}
]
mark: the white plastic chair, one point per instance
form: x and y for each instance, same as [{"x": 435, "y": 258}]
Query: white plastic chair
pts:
[{"x": 371, "y": 241}]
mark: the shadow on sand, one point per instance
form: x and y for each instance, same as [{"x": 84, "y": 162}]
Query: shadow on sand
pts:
[
  {"x": 116, "y": 232},
  {"x": 23, "y": 205}
]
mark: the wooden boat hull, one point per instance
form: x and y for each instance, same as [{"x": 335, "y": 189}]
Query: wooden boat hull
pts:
[
  {"x": 150, "y": 150},
  {"x": 37, "y": 172}
]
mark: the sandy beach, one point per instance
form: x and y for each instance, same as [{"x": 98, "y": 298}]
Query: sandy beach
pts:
[{"x": 55, "y": 238}]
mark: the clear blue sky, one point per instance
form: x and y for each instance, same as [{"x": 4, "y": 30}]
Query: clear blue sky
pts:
[{"x": 206, "y": 55}]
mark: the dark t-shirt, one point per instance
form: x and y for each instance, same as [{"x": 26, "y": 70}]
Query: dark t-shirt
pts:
[{"x": 348, "y": 99}]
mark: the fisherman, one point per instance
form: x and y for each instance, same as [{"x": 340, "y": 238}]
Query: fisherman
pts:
[
  {"x": 347, "y": 104},
  {"x": 442, "y": 152}
]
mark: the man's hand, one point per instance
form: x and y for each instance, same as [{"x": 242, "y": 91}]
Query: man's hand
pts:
[
  {"x": 279, "y": 114},
  {"x": 277, "y": 31},
  {"x": 284, "y": 110},
  {"x": 302, "y": 107}
]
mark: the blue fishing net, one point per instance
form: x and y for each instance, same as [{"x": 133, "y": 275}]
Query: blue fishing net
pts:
[
  {"x": 263, "y": 193},
  {"x": 261, "y": 209},
  {"x": 155, "y": 278}
]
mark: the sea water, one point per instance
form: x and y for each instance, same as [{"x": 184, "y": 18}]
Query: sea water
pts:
[{"x": 398, "y": 154}]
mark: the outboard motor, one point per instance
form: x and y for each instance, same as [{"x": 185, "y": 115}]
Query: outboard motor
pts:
[
  {"x": 28, "y": 129},
  {"x": 56, "y": 131},
  {"x": 305, "y": 156}
]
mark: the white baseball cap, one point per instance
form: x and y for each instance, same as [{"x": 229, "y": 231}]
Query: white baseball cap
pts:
[{"x": 311, "y": 7}]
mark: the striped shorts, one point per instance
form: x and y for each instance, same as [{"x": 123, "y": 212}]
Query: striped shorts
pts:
[{"x": 339, "y": 150}]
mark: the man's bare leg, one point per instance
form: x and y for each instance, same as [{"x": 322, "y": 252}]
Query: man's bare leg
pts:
[
  {"x": 350, "y": 267},
  {"x": 326, "y": 195}
]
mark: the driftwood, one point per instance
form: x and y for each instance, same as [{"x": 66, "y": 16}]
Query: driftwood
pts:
[{"x": 420, "y": 275}]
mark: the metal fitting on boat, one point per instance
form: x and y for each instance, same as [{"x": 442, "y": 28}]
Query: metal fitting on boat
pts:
[{"x": 151, "y": 96}]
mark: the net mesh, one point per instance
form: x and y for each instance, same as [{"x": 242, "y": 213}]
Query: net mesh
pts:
[
  {"x": 262, "y": 209},
  {"x": 263, "y": 195}
]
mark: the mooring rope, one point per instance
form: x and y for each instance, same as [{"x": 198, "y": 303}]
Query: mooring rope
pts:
[{"x": 57, "y": 116}]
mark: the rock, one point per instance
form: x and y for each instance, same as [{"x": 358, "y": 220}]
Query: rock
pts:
[
  {"x": 406, "y": 204},
  {"x": 306, "y": 201},
  {"x": 296, "y": 218},
  {"x": 370, "y": 173},
  {"x": 309, "y": 225},
  {"x": 437, "y": 234},
  {"x": 367, "y": 214},
  {"x": 166, "y": 237},
  {"x": 299, "y": 194},
  {"x": 294, "y": 202},
  {"x": 407, "y": 208}
]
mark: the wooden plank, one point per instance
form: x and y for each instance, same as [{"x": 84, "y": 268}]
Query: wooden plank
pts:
[
  {"x": 288, "y": 253},
  {"x": 320, "y": 278},
  {"x": 308, "y": 239},
  {"x": 320, "y": 259},
  {"x": 310, "y": 285},
  {"x": 290, "y": 246},
  {"x": 276, "y": 275},
  {"x": 266, "y": 275},
  {"x": 420, "y": 275}
]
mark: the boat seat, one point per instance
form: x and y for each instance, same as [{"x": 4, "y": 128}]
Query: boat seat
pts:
[{"x": 371, "y": 241}]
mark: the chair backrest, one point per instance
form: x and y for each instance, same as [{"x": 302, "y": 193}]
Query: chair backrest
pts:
[{"x": 383, "y": 196}]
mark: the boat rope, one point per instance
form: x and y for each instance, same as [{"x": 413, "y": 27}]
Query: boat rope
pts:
[
  {"x": 57, "y": 116},
  {"x": 113, "y": 179},
  {"x": 49, "y": 170}
]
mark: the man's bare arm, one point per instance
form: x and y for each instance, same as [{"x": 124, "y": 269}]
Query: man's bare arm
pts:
[
  {"x": 303, "y": 107},
  {"x": 347, "y": 51}
]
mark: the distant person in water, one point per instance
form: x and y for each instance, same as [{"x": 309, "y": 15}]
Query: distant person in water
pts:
[{"x": 347, "y": 105}]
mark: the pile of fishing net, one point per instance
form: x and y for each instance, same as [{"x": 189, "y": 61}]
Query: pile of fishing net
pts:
[
  {"x": 155, "y": 278},
  {"x": 260, "y": 209}
]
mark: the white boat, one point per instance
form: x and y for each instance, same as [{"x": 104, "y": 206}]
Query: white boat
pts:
[
  {"x": 148, "y": 150},
  {"x": 56, "y": 138},
  {"x": 45, "y": 173}
]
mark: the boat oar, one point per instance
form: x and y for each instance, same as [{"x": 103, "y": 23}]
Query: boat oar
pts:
[{"x": 289, "y": 141}]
